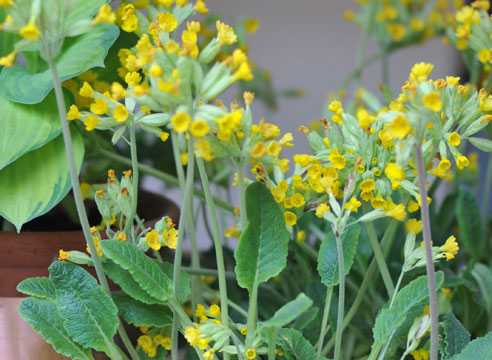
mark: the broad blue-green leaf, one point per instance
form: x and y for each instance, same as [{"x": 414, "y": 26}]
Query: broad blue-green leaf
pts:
[
  {"x": 26, "y": 127},
  {"x": 143, "y": 269},
  {"x": 78, "y": 55},
  {"x": 305, "y": 318},
  {"x": 33, "y": 184},
  {"x": 289, "y": 312},
  {"x": 140, "y": 314},
  {"x": 294, "y": 343},
  {"x": 410, "y": 299},
  {"x": 262, "y": 250},
  {"x": 40, "y": 287},
  {"x": 43, "y": 316},
  {"x": 483, "y": 276},
  {"x": 89, "y": 315},
  {"x": 469, "y": 221},
  {"x": 328, "y": 255},
  {"x": 480, "y": 348},
  {"x": 83, "y": 9},
  {"x": 481, "y": 143},
  {"x": 456, "y": 337},
  {"x": 127, "y": 283},
  {"x": 184, "y": 284}
]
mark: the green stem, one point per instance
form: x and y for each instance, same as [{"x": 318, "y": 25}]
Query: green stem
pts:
[
  {"x": 488, "y": 187},
  {"x": 272, "y": 349},
  {"x": 164, "y": 177},
  {"x": 488, "y": 82},
  {"x": 431, "y": 277},
  {"x": 378, "y": 254},
  {"x": 79, "y": 202},
  {"x": 179, "y": 246},
  {"x": 324, "y": 322},
  {"x": 341, "y": 295},
  {"x": 133, "y": 151},
  {"x": 218, "y": 246},
  {"x": 242, "y": 195},
  {"x": 308, "y": 250},
  {"x": 400, "y": 278},
  {"x": 252, "y": 315},
  {"x": 387, "y": 238},
  {"x": 195, "y": 257}
]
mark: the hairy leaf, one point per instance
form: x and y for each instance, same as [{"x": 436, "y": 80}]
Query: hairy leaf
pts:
[
  {"x": 262, "y": 250},
  {"x": 456, "y": 337},
  {"x": 294, "y": 343},
  {"x": 289, "y": 312},
  {"x": 480, "y": 348},
  {"x": 41, "y": 287},
  {"x": 483, "y": 276},
  {"x": 469, "y": 222},
  {"x": 140, "y": 314},
  {"x": 184, "y": 284}
]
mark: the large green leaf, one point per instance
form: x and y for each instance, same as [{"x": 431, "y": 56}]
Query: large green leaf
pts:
[
  {"x": 480, "y": 348},
  {"x": 289, "y": 312},
  {"x": 41, "y": 287},
  {"x": 456, "y": 337},
  {"x": 43, "y": 316},
  {"x": 262, "y": 250},
  {"x": 82, "y": 10},
  {"x": 140, "y": 314},
  {"x": 469, "y": 222},
  {"x": 409, "y": 302},
  {"x": 37, "y": 181},
  {"x": 328, "y": 255},
  {"x": 184, "y": 284},
  {"x": 483, "y": 276},
  {"x": 26, "y": 127},
  {"x": 143, "y": 269},
  {"x": 78, "y": 55},
  {"x": 89, "y": 315},
  {"x": 296, "y": 345}
]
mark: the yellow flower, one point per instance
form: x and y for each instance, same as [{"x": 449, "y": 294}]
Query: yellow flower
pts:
[
  {"x": 199, "y": 128},
  {"x": 225, "y": 34},
  {"x": 251, "y": 354},
  {"x": 201, "y": 7},
  {"x": 367, "y": 185},
  {"x": 120, "y": 113},
  {"x": 164, "y": 341},
  {"x": 8, "y": 60},
  {"x": 432, "y": 102},
  {"x": 420, "y": 354},
  {"x": 414, "y": 226},
  {"x": 394, "y": 172},
  {"x": 462, "y": 162},
  {"x": 338, "y": 161},
  {"x": 6, "y": 3},
  {"x": 86, "y": 90},
  {"x": 214, "y": 310},
  {"x": 30, "y": 31},
  {"x": 452, "y": 80},
  {"x": 454, "y": 139},
  {"x": 118, "y": 92},
  {"x": 133, "y": 78},
  {"x": 400, "y": 126},
  {"x": 99, "y": 106},
  {"x": 203, "y": 150},
  {"x": 167, "y": 22},
  {"x": 130, "y": 24},
  {"x": 73, "y": 113},
  {"x": 396, "y": 31},
  {"x": 170, "y": 238},
  {"x": 152, "y": 239},
  {"x": 105, "y": 15},
  {"x": 258, "y": 150},
  {"x": 243, "y": 73},
  {"x": 398, "y": 212},
  {"x": 181, "y": 121},
  {"x": 63, "y": 255},
  {"x": 353, "y": 205},
  {"x": 274, "y": 149},
  {"x": 192, "y": 335},
  {"x": 209, "y": 354},
  {"x": 420, "y": 72},
  {"x": 450, "y": 248},
  {"x": 155, "y": 71},
  {"x": 290, "y": 218},
  {"x": 484, "y": 55},
  {"x": 301, "y": 236},
  {"x": 251, "y": 25},
  {"x": 91, "y": 122}
]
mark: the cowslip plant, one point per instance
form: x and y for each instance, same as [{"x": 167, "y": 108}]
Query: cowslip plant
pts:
[{"x": 304, "y": 228}]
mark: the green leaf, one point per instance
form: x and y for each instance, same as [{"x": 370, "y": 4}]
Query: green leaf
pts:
[
  {"x": 469, "y": 221},
  {"x": 409, "y": 302},
  {"x": 328, "y": 255},
  {"x": 43, "y": 316},
  {"x": 184, "y": 284},
  {"x": 305, "y": 318},
  {"x": 480, "y": 348},
  {"x": 89, "y": 315},
  {"x": 289, "y": 312},
  {"x": 127, "y": 283},
  {"x": 481, "y": 143},
  {"x": 143, "y": 269},
  {"x": 78, "y": 55},
  {"x": 456, "y": 337},
  {"x": 294, "y": 343},
  {"x": 41, "y": 287},
  {"x": 33, "y": 184},
  {"x": 262, "y": 250},
  {"x": 140, "y": 314},
  {"x": 83, "y": 10},
  {"x": 40, "y": 124},
  {"x": 483, "y": 276}
]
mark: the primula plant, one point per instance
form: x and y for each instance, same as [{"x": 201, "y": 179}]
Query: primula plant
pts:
[{"x": 342, "y": 252}]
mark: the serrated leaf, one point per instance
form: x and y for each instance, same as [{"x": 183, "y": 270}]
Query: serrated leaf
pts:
[
  {"x": 480, "y": 348},
  {"x": 43, "y": 316},
  {"x": 411, "y": 296},
  {"x": 328, "y": 255},
  {"x": 456, "y": 337},
  {"x": 78, "y": 55},
  {"x": 469, "y": 221},
  {"x": 143, "y": 269},
  {"x": 289, "y": 312},
  {"x": 33, "y": 184},
  {"x": 40, "y": 287},
  {"x": 140, "y": 314},
  {"x": 89, "y": 315},
  {"x": 127, "y": 283},
  {"x": 294, "y": 343},
  {"x": 263, "y": 246},
  {"x": 483, "y": 276},
  {"x": 40, "y": 124},
  {"x": 184, "y": 284}
]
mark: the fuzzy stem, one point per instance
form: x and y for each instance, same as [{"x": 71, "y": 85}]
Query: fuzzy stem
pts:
[
  {"x": 252, "y": 314},
  {"x": 242, "y": 195},
  {"x": 400, "y": 278},
  {"x": 324, "y": 322},
  {"x": 341, "y": 295},
  {"x": 218, "y": 246},
  {"x": 271, "y": 345},
  {"x": 133, "y": 151},
  {"x": 429, "y": 265}
]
